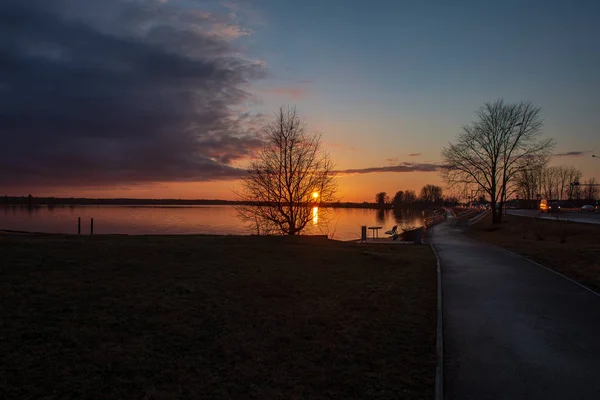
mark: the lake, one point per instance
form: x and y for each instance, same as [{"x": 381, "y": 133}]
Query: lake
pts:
[{"x": 342, "y": 224}]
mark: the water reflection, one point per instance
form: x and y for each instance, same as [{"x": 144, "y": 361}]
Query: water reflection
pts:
[
  {"x": 341, "y": 223},
  {"x": 406, "y": 216},
  {"x": 381, "y": 215}
]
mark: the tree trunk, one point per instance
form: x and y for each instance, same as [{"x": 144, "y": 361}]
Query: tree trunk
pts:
[
  {"x": 496, "y": 214},
  {"x": 499, "y": 219}
]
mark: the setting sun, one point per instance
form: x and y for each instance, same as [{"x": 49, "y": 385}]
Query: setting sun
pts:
[{"x": 315, "y": 195}]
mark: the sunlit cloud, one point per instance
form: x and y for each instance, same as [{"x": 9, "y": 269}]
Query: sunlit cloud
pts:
[
  {"x": 402, "y": 167},
  {"x": 573, "y": 154},
  {"x": 395, "y": 160},
  {"x": 228, "y": 32}
]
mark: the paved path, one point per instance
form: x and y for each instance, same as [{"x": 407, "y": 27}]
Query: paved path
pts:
[
  {"x": 513, "y": 329},
  {"x": 588, "y": 218}
]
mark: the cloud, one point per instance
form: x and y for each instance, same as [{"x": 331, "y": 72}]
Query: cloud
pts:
[
  {"x": 222, "y": 27},
  {"x": 228, "y": 32},
  {"x": 124, "y": 93},
  {"x": 243, "y": 11},
  {"x": 578, "y": 153},
  {"x": 402, "y": 167},
  {"x": 396, "y": 159}
]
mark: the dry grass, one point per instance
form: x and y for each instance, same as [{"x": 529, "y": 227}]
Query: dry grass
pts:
[
  {"x": 214, "y": 317},
  {"x": 570, "y": 248}
]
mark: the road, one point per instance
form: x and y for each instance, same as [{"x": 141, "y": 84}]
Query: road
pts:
[
  {"x": 513, "y": 329},
  {"x": 588, "y": 218}
]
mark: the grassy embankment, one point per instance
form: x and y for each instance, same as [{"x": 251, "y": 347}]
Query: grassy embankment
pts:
[
  {"x": 214, "y": 317},
  {"x": 570, "y": 248}
]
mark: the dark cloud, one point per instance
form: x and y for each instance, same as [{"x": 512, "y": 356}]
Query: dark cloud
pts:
[
  {"x": 572, "y": 154},
  {"x": 414, "y": 154},
  {"x": 121, "y": 91},
  {"x": 403, "y": 167}
]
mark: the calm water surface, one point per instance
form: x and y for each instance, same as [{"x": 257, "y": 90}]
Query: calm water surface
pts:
[{"x": 342, "y": 224}]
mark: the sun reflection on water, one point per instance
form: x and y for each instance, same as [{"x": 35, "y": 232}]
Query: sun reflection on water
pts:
[{"x": 181, "y": 220}]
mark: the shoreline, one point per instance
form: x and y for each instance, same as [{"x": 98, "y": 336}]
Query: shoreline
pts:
[{"x": 68, "y": 202}]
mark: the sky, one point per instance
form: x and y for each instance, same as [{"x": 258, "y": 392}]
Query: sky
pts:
[{"x": 167, "y": 98}]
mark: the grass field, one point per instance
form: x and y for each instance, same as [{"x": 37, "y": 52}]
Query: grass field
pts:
[
  {"x": 572, "y": 249},
  {"x": 117, "y": 317}
]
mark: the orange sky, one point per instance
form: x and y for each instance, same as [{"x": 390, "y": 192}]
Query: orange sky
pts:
[{"x": 353, "y": 188}]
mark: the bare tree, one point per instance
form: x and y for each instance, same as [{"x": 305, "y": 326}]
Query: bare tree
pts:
[
  {"x": 573, "y": 175},
  {"x": 529, "y": 179},
  {"x": 550, "y": 179},
  {"x": 290, "y": 176},
  {"x": 431, "y": 193},
  {"x": 557, "y": 182},
  {"x": 548, "y": 182},
  {"x": 410, "y": 196},
  {"x": 563, "y": 173},
  {"x": 382, "y": 198},
  {"x": 590, "y": 189},
  {"x": 577, "y": 192},
  {"x": 493, "y": 150},
  {"x": 398, "y": 199}
]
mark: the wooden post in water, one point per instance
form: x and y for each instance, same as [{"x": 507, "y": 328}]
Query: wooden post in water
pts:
[
  {"x": 79, "y": 225},
  {"x": 91, "y": 226}
]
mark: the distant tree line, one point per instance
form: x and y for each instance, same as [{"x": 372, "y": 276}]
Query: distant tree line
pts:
[
  {"x": 556, "y": 182},
  {"x": 73, "y": 201},
  {"x": 429, "y": 195}
]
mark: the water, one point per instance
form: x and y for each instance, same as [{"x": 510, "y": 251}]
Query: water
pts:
[{"x": 342, "y": 224}]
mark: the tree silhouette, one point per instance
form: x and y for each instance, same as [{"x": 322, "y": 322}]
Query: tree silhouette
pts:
[
  {"x": 431, "y": 194},
  {"x": 398, "y": 199},
  {"x": 410, "y": 196},
  {"x": 381, "y": 199},
  {"x": 492, "y": 151},
  {"x": 290, "y": 176}
]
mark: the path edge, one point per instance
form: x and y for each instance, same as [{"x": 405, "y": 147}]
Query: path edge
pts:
[{"x": 439, "y": 369}]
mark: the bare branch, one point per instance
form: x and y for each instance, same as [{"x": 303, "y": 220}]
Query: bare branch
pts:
[
  {"x": 502, "y": 147},
  {"x": 284, "y": 176}
]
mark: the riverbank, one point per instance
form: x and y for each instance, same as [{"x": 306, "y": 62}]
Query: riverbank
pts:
[
  {"x": 215, "y": 317},
  {"x": 573, "y": 249},
  {"x": 27, "y": 201}
]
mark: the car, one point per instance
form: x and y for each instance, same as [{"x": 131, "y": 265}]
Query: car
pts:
[
  {"x": 588, "y": 208},
  {"x": 549, "y": 206}
]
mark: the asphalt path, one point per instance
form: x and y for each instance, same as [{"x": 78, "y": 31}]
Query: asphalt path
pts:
[{"x": 513, "y": 329}]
